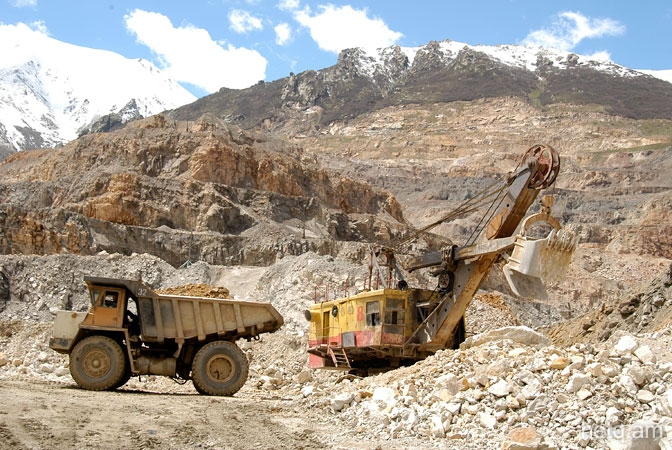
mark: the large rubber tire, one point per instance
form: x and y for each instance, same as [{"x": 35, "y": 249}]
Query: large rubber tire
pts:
[
  {"x": 219, "y": 368},
  {"x": 97, "y": 363},
  {"x": 124, "y": 378}
]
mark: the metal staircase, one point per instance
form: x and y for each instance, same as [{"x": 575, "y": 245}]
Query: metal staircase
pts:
[{"x": 339, "y": 357}]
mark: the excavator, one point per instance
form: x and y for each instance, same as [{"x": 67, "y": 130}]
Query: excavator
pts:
[{"x": 394, "y": 324}]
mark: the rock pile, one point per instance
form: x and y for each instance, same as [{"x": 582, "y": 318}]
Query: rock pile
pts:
[
  {"x": 197, "y": 290},
  {"x": 507, "y": 389},
  {"x": 518, "y": 392}
]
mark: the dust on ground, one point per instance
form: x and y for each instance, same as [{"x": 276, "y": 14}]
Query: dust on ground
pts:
[{"x": 61, "y": 416}]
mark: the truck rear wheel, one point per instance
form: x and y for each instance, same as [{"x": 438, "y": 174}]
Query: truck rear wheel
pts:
[
  {"x": 97, "y": 363},
  {"x": 219, "y": 368}
]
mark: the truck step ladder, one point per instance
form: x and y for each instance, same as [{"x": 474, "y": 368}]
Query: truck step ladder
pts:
[{"x": 339, "y": 357}]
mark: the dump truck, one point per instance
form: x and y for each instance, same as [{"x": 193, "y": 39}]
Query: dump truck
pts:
[
  {"x": 389, "y": 324},
  {"x": 130, "y": 330}
]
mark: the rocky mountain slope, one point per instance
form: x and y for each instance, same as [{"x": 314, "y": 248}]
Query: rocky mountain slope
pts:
[
  {"x": 206, "y": 190},
  {"x": 445, "y": 71},
  {"x": 200, "y": 191},
  {"x": 50, "y": 91},
  {"x": 613, "y": 182}
]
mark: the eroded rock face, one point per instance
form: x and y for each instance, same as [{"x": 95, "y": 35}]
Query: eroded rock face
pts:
[
  {"x": 653, "y": 235},
  {"x": 4, "y": 290},
  {"x": 159, "y": 181}
]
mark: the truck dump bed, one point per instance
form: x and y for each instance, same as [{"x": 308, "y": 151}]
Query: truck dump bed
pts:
[{"x": 181, "y": 317}]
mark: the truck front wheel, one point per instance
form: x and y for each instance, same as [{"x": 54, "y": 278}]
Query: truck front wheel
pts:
[
  {"x": 219, "y": 368},
  {"x": 97, "y": 363}
]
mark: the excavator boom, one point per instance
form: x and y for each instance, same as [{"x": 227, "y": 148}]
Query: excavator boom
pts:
[{"x": 435, "y": 331}]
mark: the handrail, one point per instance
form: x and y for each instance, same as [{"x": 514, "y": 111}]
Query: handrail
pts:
[{"x": 327, "y": 287}]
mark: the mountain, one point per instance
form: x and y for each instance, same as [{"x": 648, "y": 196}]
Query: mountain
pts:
[
  {"x": 50, "y": 90},
  {"x": 444, "y": 71}
]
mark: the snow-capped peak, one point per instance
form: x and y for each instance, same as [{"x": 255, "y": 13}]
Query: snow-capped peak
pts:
[
  {"x": 522, "y": 56},
  {"x": 50, "y": 89}
]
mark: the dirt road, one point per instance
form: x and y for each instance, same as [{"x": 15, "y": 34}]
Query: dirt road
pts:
[{"x": 61, "y": 416}]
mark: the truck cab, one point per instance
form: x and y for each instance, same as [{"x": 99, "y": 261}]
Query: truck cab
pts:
[
  {"x": 112, "y": 309},
  {"x": 108, "y": 305}
]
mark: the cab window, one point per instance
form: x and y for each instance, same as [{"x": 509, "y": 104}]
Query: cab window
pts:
[
  {"x": 373, "y": 314},
  {"x": 395, "y": 313},
  {"x": 110, "y": 299},
  {"x": 95, "y": 293}
]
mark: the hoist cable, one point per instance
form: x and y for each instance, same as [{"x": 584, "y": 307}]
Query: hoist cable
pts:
[
  {"x": 480, "y": 199},
  {"x": 486, "y": 217}
]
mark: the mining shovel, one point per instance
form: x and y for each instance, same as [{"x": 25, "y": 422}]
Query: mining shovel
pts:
[{"x": 536, "y": 262}]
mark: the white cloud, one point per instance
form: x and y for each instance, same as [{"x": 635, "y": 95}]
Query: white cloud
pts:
[
  {"x": 23, "y": 3},
  {"x": 190, "y": 55},
  {"x": 328, "y": 28},
  {"x": 40, "y": 27},
  {"x": 283, "y": 33},
  {"x": 600, "y": 56},
  {"x": 571, "y": 28},
  {"x": 243, "y": 21},
  {"x": 288, "y": 5}
]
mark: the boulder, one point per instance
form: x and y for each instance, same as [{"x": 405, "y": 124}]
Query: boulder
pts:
[
  {"x": 436, "y": 427},
  {"x": 644, "y": 396},
  {"x": 625, "y": 345},
  {"x": 645, "y": 354},
  {"x": 559, "y": 363},
  {"x": 577, "y": 381},
  {"x": 500, "y": 389},
  {"x": 665, "y": 402},
  {"x": 307, "y": 390},
  {"x": 341, "y": 401},
  {"x": 303, "y": 377},
  {"x": 520, "y": 334},
  {"x": 523, "y": 438},
  {"x": 487, "y": 420}
]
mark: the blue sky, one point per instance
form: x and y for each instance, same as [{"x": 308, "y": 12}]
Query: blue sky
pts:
[{"x": 235, "y": 43}]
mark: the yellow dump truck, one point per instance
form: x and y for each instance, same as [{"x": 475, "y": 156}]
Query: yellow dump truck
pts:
[{"x": 130, "y": 330}]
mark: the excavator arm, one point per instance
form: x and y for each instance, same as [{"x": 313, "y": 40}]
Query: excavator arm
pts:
[{"x": 468, "y": 266}]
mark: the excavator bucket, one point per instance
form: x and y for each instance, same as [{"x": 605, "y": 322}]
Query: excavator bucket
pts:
[{"x": 535, "y": 262}]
